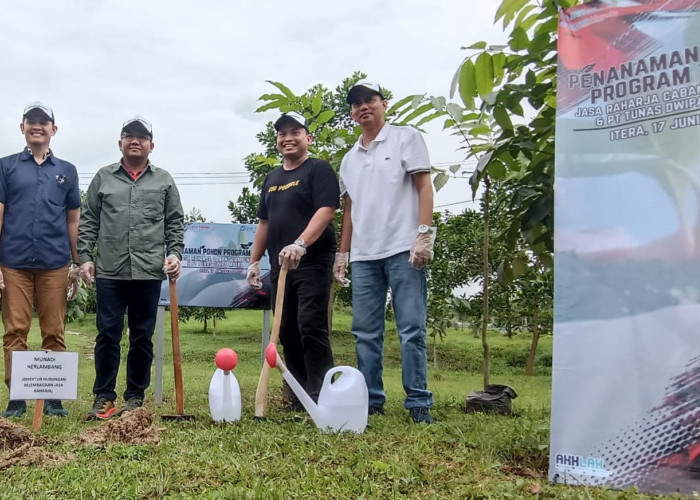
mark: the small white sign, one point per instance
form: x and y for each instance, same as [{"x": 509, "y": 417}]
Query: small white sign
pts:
[{"x": 44, "y": 375}]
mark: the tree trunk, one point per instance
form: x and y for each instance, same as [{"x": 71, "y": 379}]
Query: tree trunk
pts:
[
  {"x": 485, "y": 304},
  {"x": 530, "y": 365},
  {"x": 509, "y": 323},
  {"x": 205, "y": 325}
]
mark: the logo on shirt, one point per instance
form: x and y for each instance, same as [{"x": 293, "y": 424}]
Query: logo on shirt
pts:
[
  {"x": 60, "y": 179},
  {"x": 283, "y": 187}
]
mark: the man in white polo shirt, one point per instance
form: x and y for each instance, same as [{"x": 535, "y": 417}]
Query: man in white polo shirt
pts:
[{"x": 387, "y": 213}]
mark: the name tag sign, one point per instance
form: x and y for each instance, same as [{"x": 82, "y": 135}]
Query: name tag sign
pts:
[{"x": 44, "y": 375}]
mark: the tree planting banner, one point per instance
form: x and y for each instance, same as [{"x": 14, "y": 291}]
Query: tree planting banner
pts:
[
  {"x": 214, "y": 267},
  {"x": 626, "y": 371}
]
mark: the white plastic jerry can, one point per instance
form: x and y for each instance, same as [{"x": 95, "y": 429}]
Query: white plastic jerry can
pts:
[{"x": 224, "y": 397}]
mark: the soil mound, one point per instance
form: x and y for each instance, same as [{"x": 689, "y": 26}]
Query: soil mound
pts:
[
  {"x": 134, "y": 427},
  {"x": 18, "y": 446}
]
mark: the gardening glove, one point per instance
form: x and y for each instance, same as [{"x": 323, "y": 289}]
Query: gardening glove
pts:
[
  {"x": 253, "y": 275},
  {"x": 87, "y": 273},
  {"x": 171, "y": 266},
  {"x": 73, "y": 282},
  {"x": 291, "y": 256},
  {"x": 340, "y": 267},
  {"x": 422, "y": 250}
]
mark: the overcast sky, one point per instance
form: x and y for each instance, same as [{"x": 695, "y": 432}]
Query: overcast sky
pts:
[{"x": 196, "y": 69}]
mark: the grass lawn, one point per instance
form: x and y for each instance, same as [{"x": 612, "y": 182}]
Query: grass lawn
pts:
[{"x": 460, "y": 456}]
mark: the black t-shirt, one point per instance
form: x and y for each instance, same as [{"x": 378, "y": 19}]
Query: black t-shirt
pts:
[{"x": 288, "y": 201}]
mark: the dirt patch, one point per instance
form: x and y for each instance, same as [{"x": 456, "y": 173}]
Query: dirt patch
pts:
[
  {"x": 134, "y": 427},
  {"x": 18, "y": 446}
]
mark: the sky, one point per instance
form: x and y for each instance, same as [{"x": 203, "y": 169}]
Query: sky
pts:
[{"x": 195, "y": 70}]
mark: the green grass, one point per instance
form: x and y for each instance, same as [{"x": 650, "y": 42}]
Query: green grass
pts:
[{"x": 461, "y": 456}]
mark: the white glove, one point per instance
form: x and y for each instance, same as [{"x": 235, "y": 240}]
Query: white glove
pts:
[
  {"x": 73, "y": 282},
  {"x": 171, "y": 266},
  {"x": 422, "y": 250},
  {"x": 291, "y": 256},
  {"x": 253, "y": 275},
  {"x": 340, "y": 267},
  {"x": 87, "y": 273}
]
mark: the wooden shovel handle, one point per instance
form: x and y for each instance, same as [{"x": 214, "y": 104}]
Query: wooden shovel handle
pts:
[
  {"x": 263, "y": 382},
  {"x": 177, "y": 362}
]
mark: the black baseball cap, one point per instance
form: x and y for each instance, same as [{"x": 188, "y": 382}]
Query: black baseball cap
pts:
[
  {"x": 294, "y": 118},
  {"x": 138, "y": 125},
  {"x": 39, "y": 110},
  {"x": 364, "y": 88}
]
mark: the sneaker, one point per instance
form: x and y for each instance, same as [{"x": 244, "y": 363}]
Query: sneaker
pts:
[
  {"x": 421, "y": 415},
  {"x": 102, "y": 409},
  {"x": 375, "y": 410},
  {"x": 130, "y": 405},
  {"x": 55, "y": 408},
  {"x": 15, "y": 408}
]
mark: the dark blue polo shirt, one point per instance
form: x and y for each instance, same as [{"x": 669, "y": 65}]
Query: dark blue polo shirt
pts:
[{"x": 35, "y": 230}]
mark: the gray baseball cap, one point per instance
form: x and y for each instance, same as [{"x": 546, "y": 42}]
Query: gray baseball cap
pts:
[
  {"x": 295, "y": 118},
  {"x": 38, "y": 108},
  {"x": 364, "y": 88},
  {"x": 138, "y": 124}
]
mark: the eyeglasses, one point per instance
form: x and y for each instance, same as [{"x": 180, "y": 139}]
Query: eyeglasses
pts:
[{"x": 131, "y": 137}]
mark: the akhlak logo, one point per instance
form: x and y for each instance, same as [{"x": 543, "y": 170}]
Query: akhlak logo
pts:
[{"x": 566, "y": 459}]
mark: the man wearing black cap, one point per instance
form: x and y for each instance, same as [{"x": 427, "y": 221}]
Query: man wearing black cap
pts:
[
  {"x": 39, "y": 213},
  {"x": 297, "y": 204},
  {"x": 132, "y": 213},
  {"x": 387, "y": 214}
]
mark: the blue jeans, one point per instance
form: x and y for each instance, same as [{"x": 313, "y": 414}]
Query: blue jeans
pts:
[
  {"x": 113, "y": 299},
  {"x": 370, "y": 281}
]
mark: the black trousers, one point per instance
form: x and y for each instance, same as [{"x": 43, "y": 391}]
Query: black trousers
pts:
[
  {"x": 113, "y": 298},
  {"x": 304, "y": 327}
]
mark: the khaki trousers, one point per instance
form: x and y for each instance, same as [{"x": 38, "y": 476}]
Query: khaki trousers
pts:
[{"x": 25, "y": 288}]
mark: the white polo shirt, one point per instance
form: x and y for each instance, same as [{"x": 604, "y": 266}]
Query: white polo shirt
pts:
[{"x": 384, "y": 200}]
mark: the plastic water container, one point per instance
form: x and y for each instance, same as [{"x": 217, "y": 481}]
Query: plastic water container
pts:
[
  {"x": 344, "y": 401},
  {"x": 224, "y": 397}
]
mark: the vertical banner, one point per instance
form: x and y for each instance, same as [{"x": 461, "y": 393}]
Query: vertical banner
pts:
[
  {"x": 214, "y": 267},
  {"x": 626, "y": 371}
]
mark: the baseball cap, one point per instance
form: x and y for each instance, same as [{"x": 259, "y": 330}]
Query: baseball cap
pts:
[
  {"x": 138, "y": 124},
  {"x": 296, "y": 118},
  {"x": 364, "y": 88},
  {"x": 38, "y": 108}
]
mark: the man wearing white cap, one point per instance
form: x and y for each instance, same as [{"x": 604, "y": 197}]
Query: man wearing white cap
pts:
[
  {"x": 39, "y": 213},
  {"x": 387, "y": 216},
  {"x": 130, "y": 238},
  {"x": 297, "y": 203}
]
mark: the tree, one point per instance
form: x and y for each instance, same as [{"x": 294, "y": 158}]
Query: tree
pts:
[{"x": 245, "y": 210}]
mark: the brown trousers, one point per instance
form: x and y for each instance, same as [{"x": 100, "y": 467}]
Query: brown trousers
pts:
[{"x": 24, "y": 288}]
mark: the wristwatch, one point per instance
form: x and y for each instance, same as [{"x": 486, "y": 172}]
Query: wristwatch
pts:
[
  {"x": 300, "y": 242},
  {"x": 424, "y": 228}
]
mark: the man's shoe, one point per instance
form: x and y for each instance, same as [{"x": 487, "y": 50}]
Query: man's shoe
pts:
[
  {"x": 102, "y": 409},
  {"x": 421, "y": 415},
  {"x": 130, "y": 405},
  {"x": 375, "y": 410},
  {"x": 55, "y": 408},
  {"x": 15, "y": 408}
]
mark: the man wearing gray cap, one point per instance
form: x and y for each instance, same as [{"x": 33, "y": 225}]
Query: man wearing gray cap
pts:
[
  {"x": 297, "y": 203},
  {"x": 39, "y": 213},
  {"x": 387, "y": 216},
  {"x": 134, "y": 217}
]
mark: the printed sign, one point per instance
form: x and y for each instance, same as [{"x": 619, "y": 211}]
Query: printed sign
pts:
[{"x": 44, "y": 375}]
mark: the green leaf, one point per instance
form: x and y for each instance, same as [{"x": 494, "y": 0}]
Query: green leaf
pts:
[
  {"x": 504, "y": 273},
  {"x": 518, "y": 266},
  {"x": 325, "y": 116},
  {"x": 500, "y": 114},
  {"x": 398, "y": 105},
  {"x": 467, "y": 83},
  {"x": 316, "y": 104},
  {"x": 417, "y": 99},
  {"x": 477, "y": 46},
  {"x": 429, "y": 118},
  {"x": 440, "y": 180},
  {"x": 499, "y": 66},
  {"x": 438, "y": 103},
  {"x": 269, "y": 105},
  {"x": 455, "y": 111},
  {"x": 285, "y": 90},
  {"x": 484, "y": 74},
  {"x": 519, "y": 40},
  {"x": 497, "y": 170},
  {"x": 507, "y": 10},
  {"x": 455, "y": 168}
]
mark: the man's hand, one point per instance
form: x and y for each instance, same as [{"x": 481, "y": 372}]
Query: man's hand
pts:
[
  {"x": 340, "y": 267},
  {"x": 421, "y": 251},
  {"x": 87, "y": 273},
  {"x": 291, "y": 256},
  {"x": 253, "y": 275},
  {"x": 73, "y": 282},
  {"x": 171, "y": 266}
]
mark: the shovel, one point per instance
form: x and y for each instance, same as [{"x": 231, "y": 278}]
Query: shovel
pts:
[
  {"x": 177, "y": 363},
  {"x": 261, "y": 393}
]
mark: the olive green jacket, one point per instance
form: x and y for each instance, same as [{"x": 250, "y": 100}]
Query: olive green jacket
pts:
[{"x": 128, "y": 227}]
